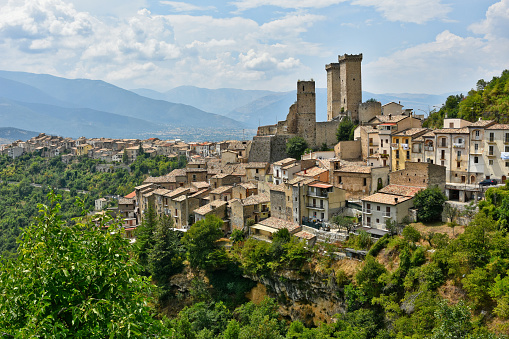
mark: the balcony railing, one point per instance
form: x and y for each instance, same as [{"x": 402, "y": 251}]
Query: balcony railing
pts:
[
  {"x": 459, "y": 145},
  {"x": 317, "y": 207},
  {"x": 367, "y": 211},
  {"x": 476, "y": 137},
  {"x": 428, "y": 148},
  {"x": 318, "y": 194},
  {"x": 386, "y": 214}
]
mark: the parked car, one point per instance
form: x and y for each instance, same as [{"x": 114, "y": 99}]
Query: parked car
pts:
[{"x": 488, "y": 182}]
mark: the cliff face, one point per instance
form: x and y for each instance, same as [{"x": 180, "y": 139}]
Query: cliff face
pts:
[{"x": 310, "y": 297}]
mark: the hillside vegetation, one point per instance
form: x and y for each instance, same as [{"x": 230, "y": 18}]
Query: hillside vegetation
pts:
[{"x": 488, "y": 101}]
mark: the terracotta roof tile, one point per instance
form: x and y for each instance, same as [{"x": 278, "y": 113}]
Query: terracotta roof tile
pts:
[
  {"x": 403, "y": 190},
  {"x": 205, "y": 209},
  {"x": 305, "y": 235},
  {"x": 387, "y": 199},
  {"x": 280, "y": 224}
]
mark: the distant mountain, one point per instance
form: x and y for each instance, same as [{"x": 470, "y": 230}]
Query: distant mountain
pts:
[
  {"x": 10, "y": 134},
  {"x": 100, "y": 96},
  {"x": 219, "y": 101},
  {"x": 71, "y": 122}
]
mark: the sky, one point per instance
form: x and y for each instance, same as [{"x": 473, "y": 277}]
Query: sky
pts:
[{"x": 409, "y": 46}]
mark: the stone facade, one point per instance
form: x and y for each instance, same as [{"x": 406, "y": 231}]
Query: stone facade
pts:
[{"x": 419, "y": 174}]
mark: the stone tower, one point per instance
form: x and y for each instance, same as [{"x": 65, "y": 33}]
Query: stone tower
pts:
[
  {"x": 306, "y": 111},
  {"x": 344, "y": 86}
]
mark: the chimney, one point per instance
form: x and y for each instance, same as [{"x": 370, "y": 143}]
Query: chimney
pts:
[{"x": 396, "y": 200}]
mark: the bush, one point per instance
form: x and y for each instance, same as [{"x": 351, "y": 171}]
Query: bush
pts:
[
  {"x": 411, "y": 234},
  {"x": 379, "y": 245}
]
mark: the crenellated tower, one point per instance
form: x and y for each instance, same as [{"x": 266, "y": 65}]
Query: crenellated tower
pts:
[{"x": 344, "y": 86}]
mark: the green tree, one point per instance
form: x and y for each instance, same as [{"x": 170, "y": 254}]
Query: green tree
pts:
[
  {"x": 345, "y": 128},
  {"x": 200, "y": 241},
  {"x": 429, "y": 204},
  {"x": 343, "y": 222},
  {"x": 411, "y": 234},
  {"x": 166, "y": 257},
  {"x": 74, "y": 280},
  {"x": 145, "y": 237},
  {"x": 295, "y": 147},
  {"x": 452, "y": 321},
  {"x": 125, "y": 158}
]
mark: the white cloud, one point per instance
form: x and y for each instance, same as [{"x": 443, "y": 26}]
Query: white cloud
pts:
[
  {"x": 496, "y": 24},
  {"x": 415, "y": 11},
  {"x": 186, "y": 7},
  {"x": 451, "y": 62},
  {"x": 243, "y": 5}
]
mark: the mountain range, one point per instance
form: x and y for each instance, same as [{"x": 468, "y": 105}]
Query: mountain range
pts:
[{"x": 93, "y": 108}]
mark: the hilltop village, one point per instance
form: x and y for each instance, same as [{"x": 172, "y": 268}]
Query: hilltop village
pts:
[{"x": 256, "y": 187}]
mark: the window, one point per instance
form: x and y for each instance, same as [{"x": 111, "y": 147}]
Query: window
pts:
[
  {"x": 377, "y": 221},
  {"x": 491, "y": 150},
  {"x": 459, "y": 153},
  {"x": 506, "y": 149},
  {"x": 378, "y": 208},
  {"x": 322, "y": 216},
  {"x": 397, "y": 154},
  {"x": 477, "y": 133},
  {"x": 476, "y": 147},
  {"x": 339, "y": 180},
  {"x": 406, "y": 141},
  {"x": 382, "y": 142},
  {"x": 408, "y": 154},
  {"x": 476, "y": 160},
  {"x": 460, "y": 141},
  {"x": 364, "y": 182},
  {"x": 458, "y": 164},
  {"x": 506, "y": 137},
  {"x": 490, "y": 162},
  {"x": 507, "y": 164},
  {"x": 397, "y": 140},
  {"x": 492, "y": 137},
  {"x": 444, "y": 142},
  {"x": 257, "y": 171}
]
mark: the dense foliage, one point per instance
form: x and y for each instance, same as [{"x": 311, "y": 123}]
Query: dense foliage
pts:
[
  {"x": 429, "y": 204},
  {"x": 296, "y": 146},
  {"x": 345, "y": 130},
  {"x": 74, "y": 281},
  {"x": 25, "y": 181},
  {"x": 489, "y": 101}
]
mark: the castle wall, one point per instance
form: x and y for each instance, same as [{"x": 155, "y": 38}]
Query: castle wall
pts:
[
  {"x": 268, "y": 148},
  {"x": 368, "y": 110},
  {"x": 291, "y": 119},
  {"x": 326, "y": 132}
]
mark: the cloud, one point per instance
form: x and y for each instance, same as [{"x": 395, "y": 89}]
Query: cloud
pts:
[
  {"x": 415, "y": 11},
  {"x": 496, "y": 24},
  {"x": 243, "y": 5},
  {"x": 185, "y": 7}
]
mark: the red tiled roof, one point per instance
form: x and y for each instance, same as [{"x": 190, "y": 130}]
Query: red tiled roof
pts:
[{"x": 131, "y": 195}]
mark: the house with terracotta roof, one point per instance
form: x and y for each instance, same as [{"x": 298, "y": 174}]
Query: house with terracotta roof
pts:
[
  {"x": 217, "y": 208},
  {"x": 277, "y": 169},
  {"x": 256, "y": 207},
  {"x": 256, "y": 171},
  {"x": 244, "y": 190},
  {"x": 321, "y": 201},
  {"x": 223, "y": 193},
  {"x": 264, "y": 229},
  {"x": 356, "y": 178}
]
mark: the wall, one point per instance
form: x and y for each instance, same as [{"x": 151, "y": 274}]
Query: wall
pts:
[
  {"x": 420, "y": 174},
  {"x": 326, "y": 133},
  {"x": 368, "y": 110},
  {"x": 351, "y": 83},
  {"x": 278, "y": 204},
  {"x": 268, "y": 148},
  {"x": 348, "y": 149}
]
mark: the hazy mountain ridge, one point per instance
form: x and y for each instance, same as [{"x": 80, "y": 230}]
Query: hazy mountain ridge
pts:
[
  {"x": 10, "y": 134},
  {"x": 99, "y": 96}
]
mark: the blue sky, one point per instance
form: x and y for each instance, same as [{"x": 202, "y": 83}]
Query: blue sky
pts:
[{"x": 413, "y": 46}]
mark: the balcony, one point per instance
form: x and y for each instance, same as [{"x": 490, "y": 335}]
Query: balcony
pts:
[
  {"x": 316, "y": 207},
  {"x": 491, "y": 154},
  {"x": 373, "y": 144},
  {"x": 317, "y": 194},
  {"x": 491, "y": 140},
  {"x": 476, "y": 137},
  {"x": 458, "y": 145},
  {"x": 367, "y": 211},
  {"x": 394, "y": 146},
  {"x": 386, "y": 214},
  {"x": 428, "y": 148}
]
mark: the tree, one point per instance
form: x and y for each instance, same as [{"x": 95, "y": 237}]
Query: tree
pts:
[
  {"x": 345, "y": 128},
  {"x": 74, "y": 280},
  {"x": 429, "y": 204},
  {"x": 295, "y": 147},
  {"x": 411, "y": 234},
  {"x": 343, "y": 222},
  {"x": 125, "y": 158},
  {"x": 453, "y": 321},
  {"x": 166, "y": 257},
  {"x": 200, "y": 240},
  {"x": 145, "y": 237}
]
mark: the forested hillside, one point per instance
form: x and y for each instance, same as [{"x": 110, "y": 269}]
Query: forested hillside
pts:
[
  {"x": 20, "y": 196},
  {"x": 488, "y": 101}
]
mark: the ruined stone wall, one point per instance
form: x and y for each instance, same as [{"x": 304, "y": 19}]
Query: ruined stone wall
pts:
[
  {"x": 368, "y": 110},
  {"x": 326, "y": 132},
  {"x": 291, "y": 119}
]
